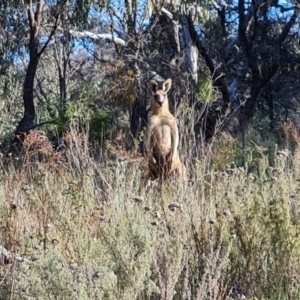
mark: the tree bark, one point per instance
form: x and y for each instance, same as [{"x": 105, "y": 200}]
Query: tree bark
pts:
[
  {"x": 27, "y": 122},
  {"x": 29, "y": 111}
]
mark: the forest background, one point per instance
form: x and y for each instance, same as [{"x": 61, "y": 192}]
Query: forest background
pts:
[{"x": 77, "y": 220}]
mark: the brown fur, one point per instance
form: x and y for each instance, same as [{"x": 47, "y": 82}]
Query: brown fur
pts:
[{"x": 162, "y": 136}]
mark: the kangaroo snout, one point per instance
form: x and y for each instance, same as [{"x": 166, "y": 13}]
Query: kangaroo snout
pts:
[{"x": 159, "y": 100}]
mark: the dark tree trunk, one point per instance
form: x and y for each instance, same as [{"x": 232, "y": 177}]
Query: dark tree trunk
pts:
[
  {"x": 139, "y": 118},
  {"x": 27, "y": 121},
  {"x": 62, "y": 63},
  {"x": 62, "y": 86},
  {"x": 138, "y": 111}
]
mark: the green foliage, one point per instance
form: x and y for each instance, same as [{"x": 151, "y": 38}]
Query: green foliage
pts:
[
  {"x": 102, "y": 123},
  {"x": 205, "y": 90},
  {"x": 87, "y": 108}
]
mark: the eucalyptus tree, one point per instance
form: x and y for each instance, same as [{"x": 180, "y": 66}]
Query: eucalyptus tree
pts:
[
  {"x": 240, "y": 43},
  {"x": 39, "y": 22},
  {"x": 35, "y": 17},
  {"x": 244, "y": 45},
  {"x": 236, "y": 45}
]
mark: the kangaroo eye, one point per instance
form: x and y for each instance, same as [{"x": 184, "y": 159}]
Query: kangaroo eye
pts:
[{"x": 156, "y": 97}]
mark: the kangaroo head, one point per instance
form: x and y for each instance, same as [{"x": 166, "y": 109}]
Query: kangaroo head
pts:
[{"x": 160, "y": 97}]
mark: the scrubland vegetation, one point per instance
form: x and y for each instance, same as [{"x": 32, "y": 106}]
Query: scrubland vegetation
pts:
[
  {"x": 81, "y": 221},
  {"x": 83, "y": 225}
]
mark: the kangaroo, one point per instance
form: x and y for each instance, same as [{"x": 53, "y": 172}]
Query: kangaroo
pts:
[{"x": 162, "y": 137}]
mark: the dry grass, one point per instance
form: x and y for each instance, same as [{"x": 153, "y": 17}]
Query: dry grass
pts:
[{"x": 82, "y": 228}]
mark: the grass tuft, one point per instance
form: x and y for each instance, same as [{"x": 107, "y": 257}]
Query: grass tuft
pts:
[{"x": 82, "y": 226}]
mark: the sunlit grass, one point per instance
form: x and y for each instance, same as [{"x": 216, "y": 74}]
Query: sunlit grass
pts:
[{"x": 80, "y": 229}]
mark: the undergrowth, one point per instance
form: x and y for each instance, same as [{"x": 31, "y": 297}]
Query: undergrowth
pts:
[{"x": 78, "y": 227}]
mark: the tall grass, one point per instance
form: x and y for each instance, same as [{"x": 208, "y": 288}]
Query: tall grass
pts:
[{"x": 78, "y": 227}]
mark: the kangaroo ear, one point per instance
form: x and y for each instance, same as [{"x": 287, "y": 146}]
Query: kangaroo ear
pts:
[
  {"x": 152, "y": 84},
  {"x": 167, "y": 85}
]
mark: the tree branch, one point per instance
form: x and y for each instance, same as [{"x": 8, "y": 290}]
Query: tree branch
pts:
[
  {"x": 38, "y": 12},
  {"x": 97, "y": 36},
  {"x": 167, "y": 13},
  {"x": 50, "y": 36},
  {"x": 31, "y": 15},
  {"x": 218, "y": 77},
  {"x": 242, "y": 25},
  {"x": 191, "y": 50}
]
